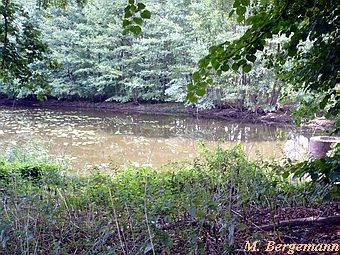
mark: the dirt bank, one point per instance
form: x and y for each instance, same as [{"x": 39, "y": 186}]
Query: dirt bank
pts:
[{"x": 282, "y": 116}]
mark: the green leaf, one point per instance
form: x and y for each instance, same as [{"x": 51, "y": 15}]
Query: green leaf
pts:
[
  {"x": 225, "y": 67},
  {"x": 131, "y": 1},
  {"x": 215, "y": 64},
  {"x": 191, "y": 86},
  {"x": 146, "y": 14},
  {"x": 242, "y": 62},
  {"x": 241, "y": 10},
  {"x": 197, "y": 201},
  {"x": 200, "y": 213},
  {"x": 128, "y": 14},
  {"x": 212, "y": 49},
  {"x": 213, "y": 205},
  {"x": 328, "y": 115},
  {"x": 202, "y": 85},
  {"x": 246, "y": 68},
  {"x": 126, "y": 23},
  {"x": 194, "y": 100},
  {"x": 213, "y": 216},
  {"x": 240, "y": 19},
  {"x": 191, "y": 97},
  {"x": 251, "y": 58},
  {"x": 127, "y": 8},
  {"x": 141, "y": 6},
  {"x": 133, "y": 8},
  {"x": 195, "y": 76},
  {"x": 236, "y": 4},
  {"x": 245, "y": 2},
  {"x": 200, "y": 92},
  {"x": 285, "y": 175},
  {"x": 235, "y": 66},
  {"x": 252, "y": 50},
  {"x": 136, "y": 30},
  {"x": 138, "y": 21},
  {"x": 335, "y": 193},
  {"x": 210, "y": 81}
]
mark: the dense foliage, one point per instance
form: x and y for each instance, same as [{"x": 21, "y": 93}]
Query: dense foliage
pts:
[
  {"x": 24, "y": 58},
  {"x": 99, "y": 63},
  {"x": 324, "y": 171},
  {"x": 199, "y": 207},
  {"x": 308, "y": 60},
  {"x": 276, "y": 45}
]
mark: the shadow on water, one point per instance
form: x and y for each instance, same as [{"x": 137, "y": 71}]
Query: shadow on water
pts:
[{"x": 97, "y": 137}]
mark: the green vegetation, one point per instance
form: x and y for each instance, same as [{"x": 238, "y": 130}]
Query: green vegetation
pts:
[
  {"x": 199, "y": 207},
  {"x": 24, "y": 59},
  {"x": 308, "y": 59},
  {"x": 324, "y": 171},
  {"x": 208, "y": 206},
  {"x": 98, "y": 63},
  {"x": 274, "y": 49}
]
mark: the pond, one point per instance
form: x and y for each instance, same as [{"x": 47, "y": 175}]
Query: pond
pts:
[{"x": 90, "y": 137}]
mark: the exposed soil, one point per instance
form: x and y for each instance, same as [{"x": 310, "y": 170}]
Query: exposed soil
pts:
[
  {"x": 281, "y": 116},
  {"x": 311, "y": 233}
]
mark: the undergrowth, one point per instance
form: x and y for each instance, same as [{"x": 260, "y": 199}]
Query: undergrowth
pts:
[{"x": 193, "y": 207}]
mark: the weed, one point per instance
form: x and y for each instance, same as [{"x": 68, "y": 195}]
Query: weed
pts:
[{"x": 194, "y": 207}]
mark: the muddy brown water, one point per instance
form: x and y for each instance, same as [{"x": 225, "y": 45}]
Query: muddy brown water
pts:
[{"x": 87, "y": 138}]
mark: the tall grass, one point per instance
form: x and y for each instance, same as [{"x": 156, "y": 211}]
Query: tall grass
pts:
[{"x": 193, "y": 207}]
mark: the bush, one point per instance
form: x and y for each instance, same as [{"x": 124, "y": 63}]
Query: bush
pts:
[
  {"x": 184, "y": 208},
  {"x": 324, "y": 173}
]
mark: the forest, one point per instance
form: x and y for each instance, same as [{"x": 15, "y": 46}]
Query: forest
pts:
[
  {"x": 99, "y": 63},
  {"x": 248, "y": 55}
]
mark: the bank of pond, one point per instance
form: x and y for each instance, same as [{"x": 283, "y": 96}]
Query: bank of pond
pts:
[{"x": 216, "y": 203}]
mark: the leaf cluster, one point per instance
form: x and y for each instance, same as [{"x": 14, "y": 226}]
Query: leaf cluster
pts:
[
  {"x": 315, "y": 69},
  {"x": 23, "y": 61},
  {"x": 324, "y": 173},
  {"x": 134, "y": 15}
]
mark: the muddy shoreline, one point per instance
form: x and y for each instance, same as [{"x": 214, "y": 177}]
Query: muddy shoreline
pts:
[{"x": 282, "y": 116}]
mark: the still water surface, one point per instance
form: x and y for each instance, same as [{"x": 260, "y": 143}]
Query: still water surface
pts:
[{"x": 95, "y": 137}]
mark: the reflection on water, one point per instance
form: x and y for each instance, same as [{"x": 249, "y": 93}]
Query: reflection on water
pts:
[{"x": 97, "y": 137}]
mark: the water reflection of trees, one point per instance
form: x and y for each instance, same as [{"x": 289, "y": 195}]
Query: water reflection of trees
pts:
[
  {"x": 156, "y": 125},
  {"x": 167, "y": 126}
]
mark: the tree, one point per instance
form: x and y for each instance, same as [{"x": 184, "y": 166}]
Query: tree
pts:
[
  {"x": 59, "y": 3},
  {"x": 23, "y": 62},
  {"x": 312, "y": 49}
]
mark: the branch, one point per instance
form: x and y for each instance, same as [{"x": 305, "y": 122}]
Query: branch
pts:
[{"x": 310, "y": 221}]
